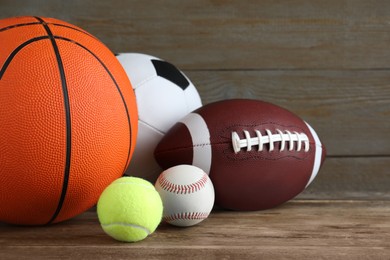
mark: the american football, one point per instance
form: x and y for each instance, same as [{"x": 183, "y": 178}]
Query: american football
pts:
[{"x": 258, "y": 155}]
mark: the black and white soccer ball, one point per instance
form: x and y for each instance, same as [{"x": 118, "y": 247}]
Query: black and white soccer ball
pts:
[{"x": 164, "y": 96}]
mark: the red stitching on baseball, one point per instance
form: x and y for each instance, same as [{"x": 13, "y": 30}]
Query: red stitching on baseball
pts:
[
  {"x": 182, "y": 189},
  {"x": 186, "y": 216}
]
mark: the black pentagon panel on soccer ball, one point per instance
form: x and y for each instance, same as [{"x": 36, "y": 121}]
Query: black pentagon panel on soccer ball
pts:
[{"x": 168, "y": 71}]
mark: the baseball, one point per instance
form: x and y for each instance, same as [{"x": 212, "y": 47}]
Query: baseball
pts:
[{"x": 187, "y": 194}]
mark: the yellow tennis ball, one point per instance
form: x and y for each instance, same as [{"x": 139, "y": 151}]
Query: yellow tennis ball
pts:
[{"x": 129, "y": 209}]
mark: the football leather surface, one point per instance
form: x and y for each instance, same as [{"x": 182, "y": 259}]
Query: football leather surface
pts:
[{"x": 258, "y": 155}]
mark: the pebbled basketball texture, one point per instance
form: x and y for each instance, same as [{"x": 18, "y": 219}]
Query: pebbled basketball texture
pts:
[
  {"x": 68, "y": 120},
  {"x": 258, "y": 155}
]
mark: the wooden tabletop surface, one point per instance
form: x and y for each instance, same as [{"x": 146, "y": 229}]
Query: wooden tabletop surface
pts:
[
  {"x": 327, "y": 61},
  {"x": 300, "y": 229}
]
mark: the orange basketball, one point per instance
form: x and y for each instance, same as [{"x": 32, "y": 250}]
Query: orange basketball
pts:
[{"x": 68, "y": 120}]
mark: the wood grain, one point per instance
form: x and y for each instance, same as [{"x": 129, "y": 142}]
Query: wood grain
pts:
[
  {"x": 296, "y": 230},
  {"x": 228, "y": 34},
  {"x": 327, "y": 61},
  {"x": 352, "y": 178},
  {"x": 349, "y": 109},
  {"x": 346, "y": 101}
]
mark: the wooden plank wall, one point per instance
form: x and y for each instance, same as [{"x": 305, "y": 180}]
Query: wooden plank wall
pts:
[{"x": 327, "y": 61}]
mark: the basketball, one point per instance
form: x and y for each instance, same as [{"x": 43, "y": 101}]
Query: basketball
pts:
[{"x": 68, "y": 120}]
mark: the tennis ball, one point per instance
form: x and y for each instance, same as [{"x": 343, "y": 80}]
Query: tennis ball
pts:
[{"x": 129, "y": 209}]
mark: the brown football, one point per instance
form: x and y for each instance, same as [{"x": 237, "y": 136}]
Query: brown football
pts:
[{"x": 258, "y": 155}]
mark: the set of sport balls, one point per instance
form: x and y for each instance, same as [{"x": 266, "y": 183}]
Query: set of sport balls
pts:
[{"x": 74, "y": 118}]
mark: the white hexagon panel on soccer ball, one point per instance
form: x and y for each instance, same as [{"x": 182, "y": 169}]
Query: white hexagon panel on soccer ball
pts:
[{"x": 164, "y": 96}]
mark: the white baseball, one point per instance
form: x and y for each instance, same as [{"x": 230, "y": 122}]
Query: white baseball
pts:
[{"x": 187, "y": 194}]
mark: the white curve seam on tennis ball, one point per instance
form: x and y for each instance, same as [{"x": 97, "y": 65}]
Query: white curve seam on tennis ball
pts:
[{"x": 127, "y": 225}]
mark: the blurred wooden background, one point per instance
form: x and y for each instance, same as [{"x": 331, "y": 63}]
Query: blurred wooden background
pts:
[{"x": 327, "y": 61}]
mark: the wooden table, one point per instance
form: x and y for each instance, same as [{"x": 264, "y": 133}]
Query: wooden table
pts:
[
  {"x": 327, "y": 61},
  {"x": 301, "y": 229}
]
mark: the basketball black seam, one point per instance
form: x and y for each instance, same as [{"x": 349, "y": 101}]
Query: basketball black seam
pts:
[
  {"x": 18, "y": 25},
  {"x": 117, "y": 87},
  {"x": 73, "y": 28},
  {"x": 39, "y": 23},
  {"x": 67, "y": 119},
  {"x": 15, "y": 51},
  {"x": 66, "y": 96}
]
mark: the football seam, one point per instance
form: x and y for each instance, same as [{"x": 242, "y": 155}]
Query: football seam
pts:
[
  {"x": 162, "y": 152},
  {"x": 181, "y": 148}
]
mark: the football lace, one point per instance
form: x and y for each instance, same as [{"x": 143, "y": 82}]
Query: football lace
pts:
[{"x": 270, "y": 139}]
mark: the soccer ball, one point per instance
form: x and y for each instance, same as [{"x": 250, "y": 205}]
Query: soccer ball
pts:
[{"x": 164, "y": 96}]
